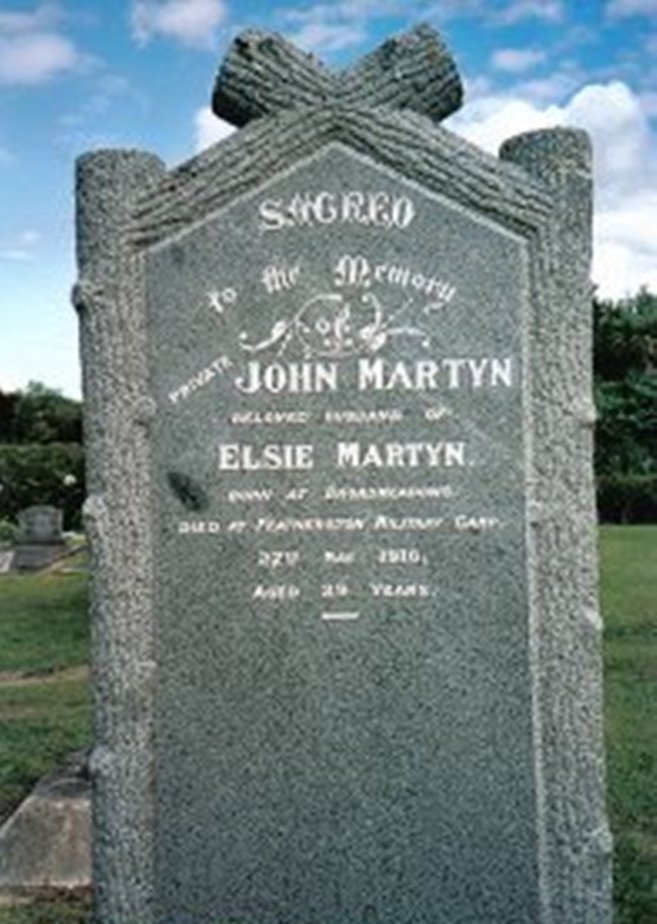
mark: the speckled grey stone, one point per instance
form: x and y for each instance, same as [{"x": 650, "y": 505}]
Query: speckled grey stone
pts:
[{"x": 295, "y": 724}]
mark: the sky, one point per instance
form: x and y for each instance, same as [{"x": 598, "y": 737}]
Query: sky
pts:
[{"x": 78, "y": 76}]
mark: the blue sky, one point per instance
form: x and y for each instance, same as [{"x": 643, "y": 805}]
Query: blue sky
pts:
[{"x": 76, "y": 76}]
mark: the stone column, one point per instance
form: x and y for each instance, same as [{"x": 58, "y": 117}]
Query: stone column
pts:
[
  {"x": 117, "y": 410},
  {"x": 563, "y": 542}
]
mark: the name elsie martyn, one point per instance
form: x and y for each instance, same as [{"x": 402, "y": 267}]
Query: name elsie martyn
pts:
[
  {"x": 376, "y": 374},
  {"x": 246, "y": 457}
]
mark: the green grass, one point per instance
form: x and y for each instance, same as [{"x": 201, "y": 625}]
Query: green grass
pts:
[
  {"x": 40, "y": 725},
  {"x": 42, "y": 624},
  {"x": 43, "y": 627},
  {"x": 628, "y": 589}
]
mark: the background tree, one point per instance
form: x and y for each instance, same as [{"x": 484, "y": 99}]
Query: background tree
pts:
[
  {"x": 625, "y": 368},
  {"x": 41, "y": 455},
  {"x": 43, "y": 415}
]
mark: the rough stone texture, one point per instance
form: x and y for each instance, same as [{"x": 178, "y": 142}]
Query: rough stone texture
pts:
[
  {"x": 278, "y": 710},
  {"x": 416, "y": 149},
  {"x": 325, "y": 741},
  {"x": 116, "y": 419},
  {"x": 46, "y": 843},
  {"x": 263, "y": 74},
  {"x": 567, "y": 620}
]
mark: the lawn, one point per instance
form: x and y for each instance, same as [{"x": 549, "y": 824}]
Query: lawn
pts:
[
  {"x": 628, "y": 589},
  {"x": 44, "y": 696},
  {"x": 43, "y": 632}
]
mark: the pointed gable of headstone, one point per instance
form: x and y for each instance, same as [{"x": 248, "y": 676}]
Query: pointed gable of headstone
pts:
[{"x": 339, "y": 421}]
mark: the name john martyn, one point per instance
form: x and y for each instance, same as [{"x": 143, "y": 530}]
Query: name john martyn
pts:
[{"x": 376, "y": 374}]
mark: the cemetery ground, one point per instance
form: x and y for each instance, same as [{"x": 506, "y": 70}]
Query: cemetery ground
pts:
[{"x": 45, "y": 707}]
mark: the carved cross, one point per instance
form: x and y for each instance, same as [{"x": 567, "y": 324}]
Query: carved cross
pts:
[{"x": 263, "y": 74}]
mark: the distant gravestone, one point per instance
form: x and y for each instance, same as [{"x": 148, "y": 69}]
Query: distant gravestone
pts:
[
  {"x": 338, "y": 421},
  {"x": 40, "y": 540}
]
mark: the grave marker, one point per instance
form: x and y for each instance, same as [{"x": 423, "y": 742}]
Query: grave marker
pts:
[
  {"x": 337, "y": 387},
  {"x": 40, "y": 540}
]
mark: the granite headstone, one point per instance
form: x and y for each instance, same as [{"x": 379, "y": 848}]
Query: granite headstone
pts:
[
  {"x": 338, "y": 422},
  {"x": 40, "y": 539}
]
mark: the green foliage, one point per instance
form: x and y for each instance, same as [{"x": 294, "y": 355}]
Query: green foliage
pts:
[
  {"x": 51, "y": 473},
  {"x": 8, "y": 532},
  {"x": 625, "y": 367},
  {"x": 625, "y": 335},
  {"x": 41, "y": 456},
  {"x": 39, "y": 415},
  {"x": 627, "y": 498}
]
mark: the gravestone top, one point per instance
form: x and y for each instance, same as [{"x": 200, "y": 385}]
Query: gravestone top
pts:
[
  {"x": 338, "y": 426},
  {"x": 263, "y": 74},
  {"x": 40, "y": 525}
]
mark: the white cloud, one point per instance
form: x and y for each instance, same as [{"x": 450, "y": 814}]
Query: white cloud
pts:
[
  {"x": 618, "y": 9},
  {"x": 517, "y": 10},
  {"x": 325, "y": 36},
  {"x": 210, "y": 129},
  {"x": 444, "y": 10},
  {"x": 35, "y": 57},
  {"x": 490, "y": 120},
  {"x": 15, "y": 254},
  {"x": 191, "y": 22},
  {"x": 29, "y": 237},
  {"x": 505, "y": 15},
  {"x": 625, "y": 170},
  {"x": 21, "y": 246},
  {"x": 621, "y": 135},
  {"x": 517, "y": 60},
  {"x": 327, "y": 27},
  {"x": 31, "y": 51},
  {"x": 555, "y": 86},
  {"x": 43, "y": 17}
]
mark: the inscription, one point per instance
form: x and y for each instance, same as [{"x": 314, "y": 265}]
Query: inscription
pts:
[
  {"x": 199, "y": 379},
  {"x": 375, "y": 209},
  {"x": 359, "y": 272},
  {"x": 399, "y": 455},
  {"x": 337, "y": 366},
  {"x": 377, "y": 374}
]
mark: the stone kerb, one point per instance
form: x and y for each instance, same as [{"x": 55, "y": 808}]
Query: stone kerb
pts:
[{"x": 341, "y": 258}]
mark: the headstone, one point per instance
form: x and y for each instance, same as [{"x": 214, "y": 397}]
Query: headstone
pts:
[
  {"x": 40, "y": 540},
  {"x": 41, "y": 524},
  {"x": 339, "y": 423}
]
